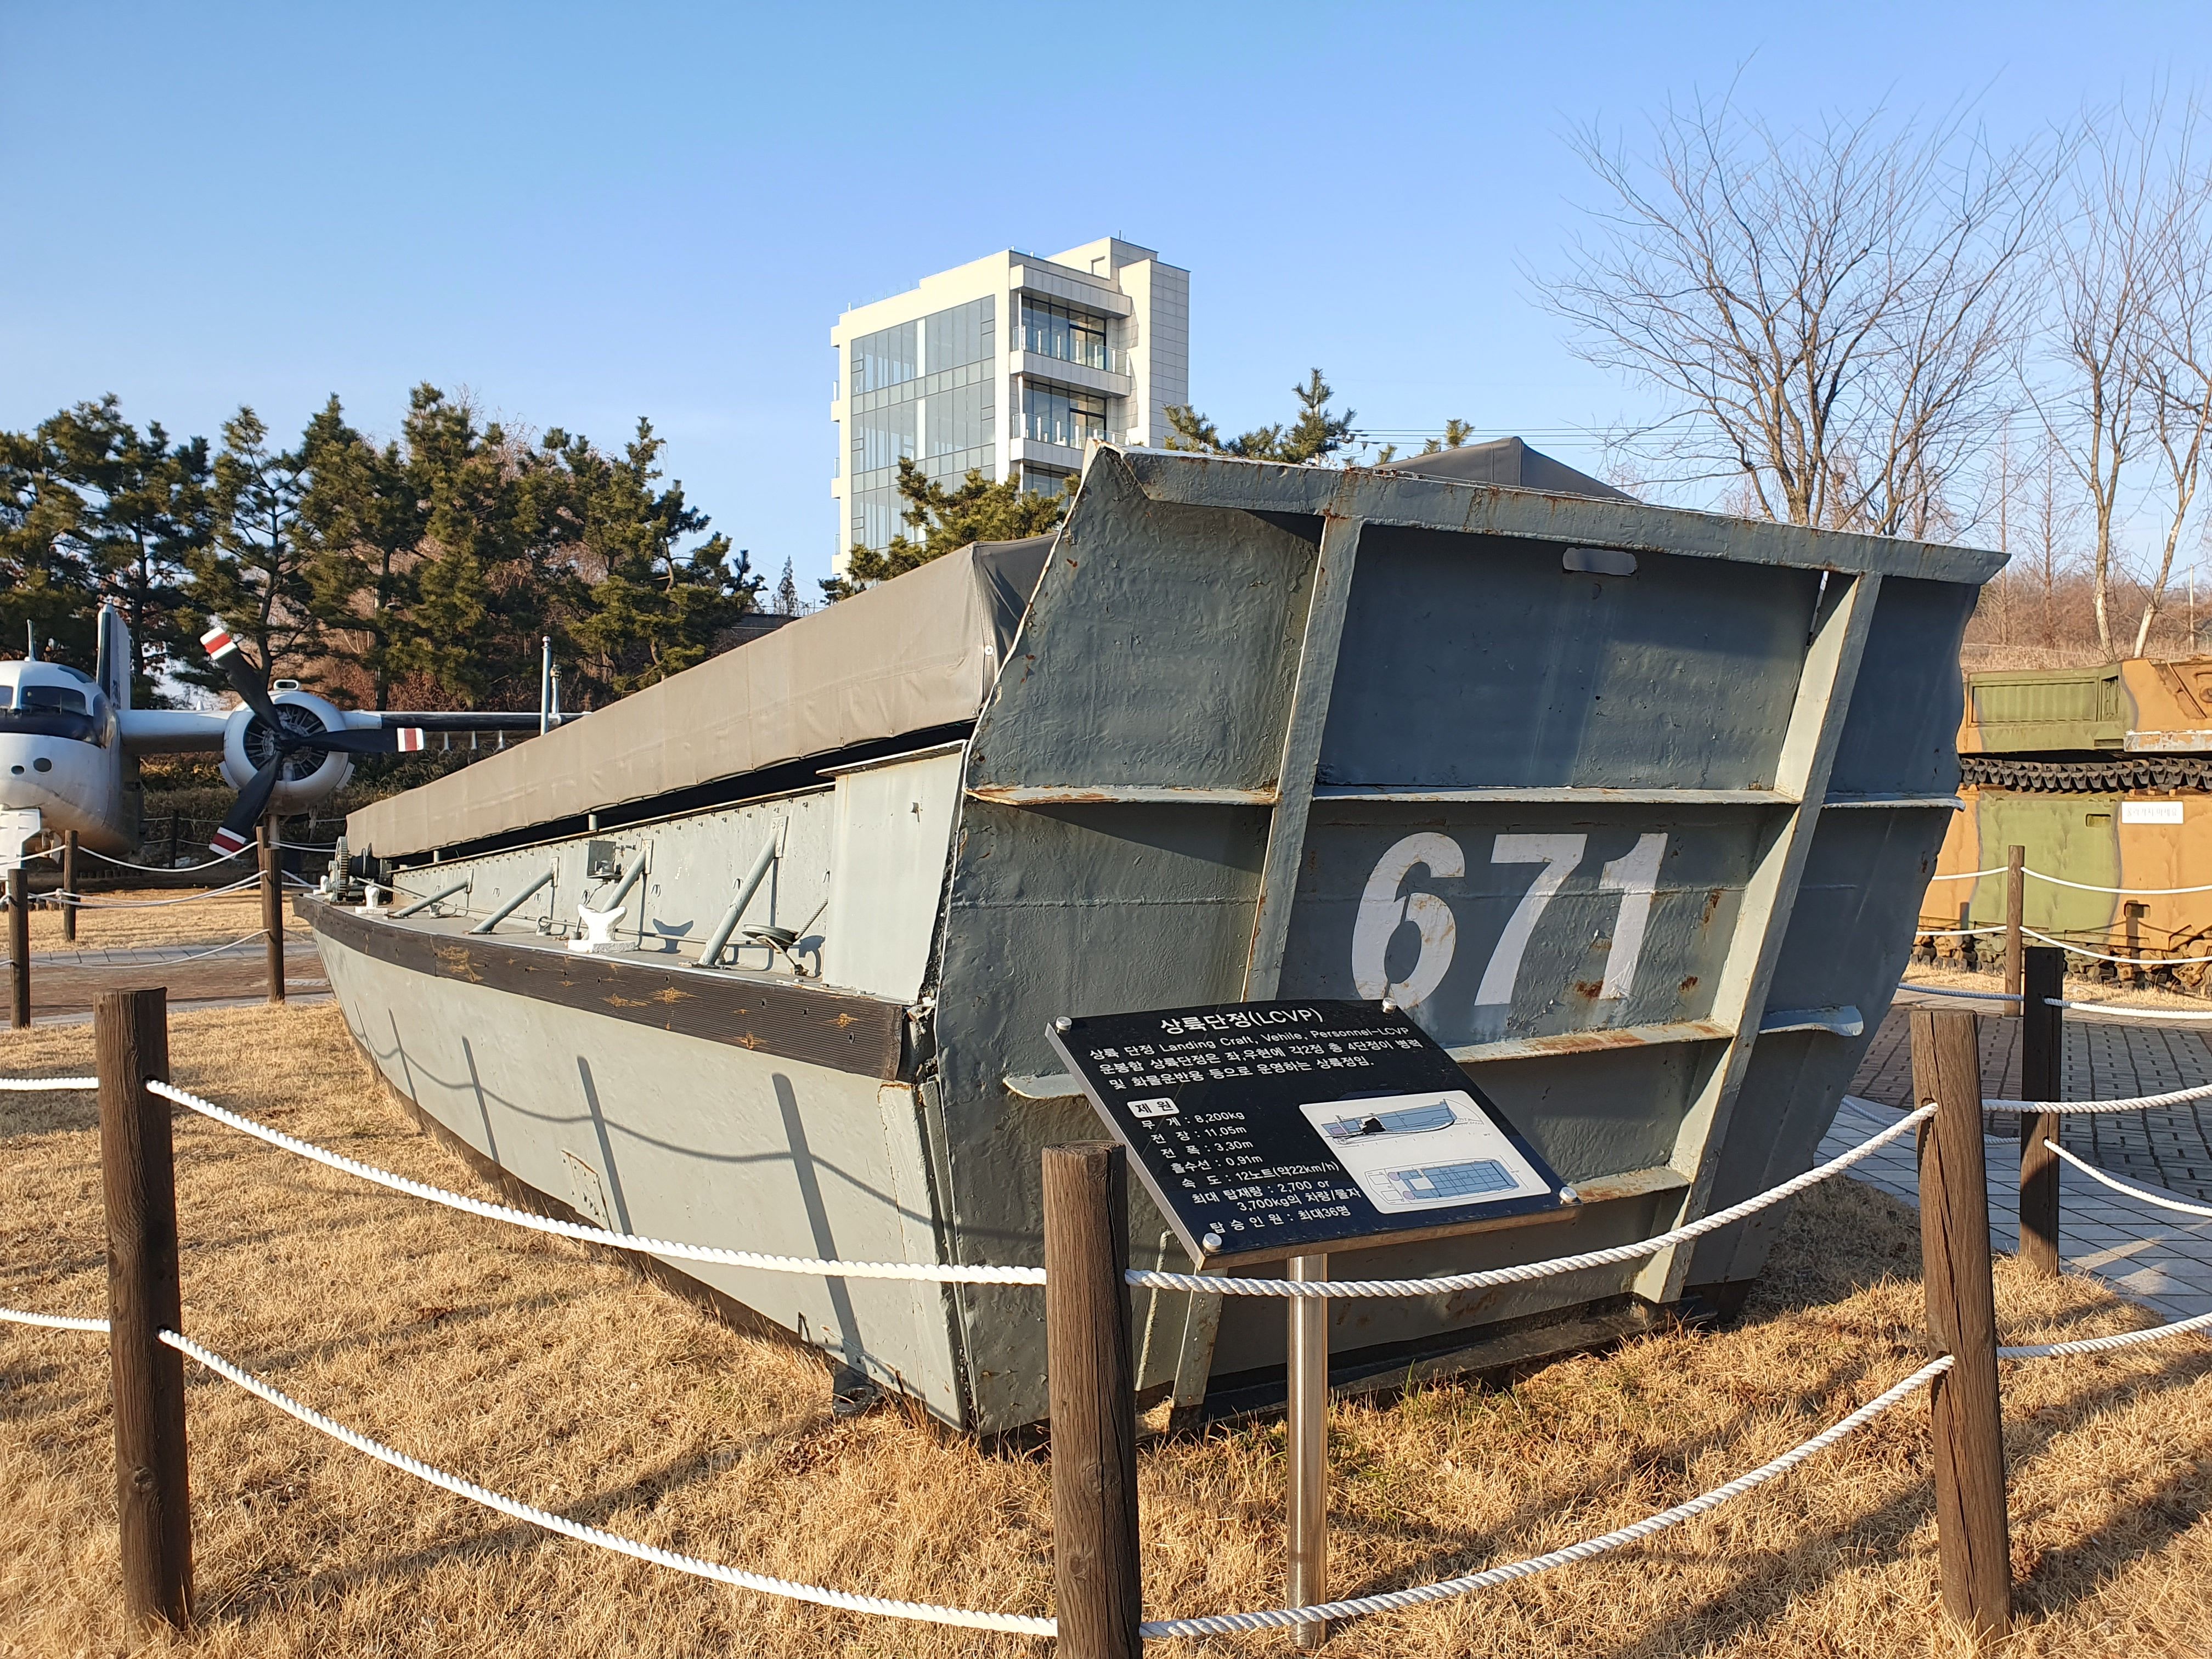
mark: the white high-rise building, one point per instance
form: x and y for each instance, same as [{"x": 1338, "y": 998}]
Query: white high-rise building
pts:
[{"x": 1009, "y": 364}]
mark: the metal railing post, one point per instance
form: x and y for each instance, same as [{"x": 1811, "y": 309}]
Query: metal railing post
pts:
[
  {"x": 514, "y": 904},
  {"x": 1973, "y": 1539},
  {"x": 2042, "y": 1048},
  {"x": 1091, "y": 1386},
  {"x": 138, "y": 1174}
]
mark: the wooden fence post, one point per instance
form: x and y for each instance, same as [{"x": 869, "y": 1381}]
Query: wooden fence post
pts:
[
  {"x": 2015, "y": 915},
  {"x": 19, "y": 945},
  {"x": 272, "y": 904},
  {"x": 2042, "y": 1044},
  {"x": 1973, "y": 1538},
  {"x": 69, "y": 887},
  {"x": 147, "y": 1377},
  {"x": 1092, "y": 1389}
]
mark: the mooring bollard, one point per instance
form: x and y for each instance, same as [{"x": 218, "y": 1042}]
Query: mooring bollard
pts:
[
  {"x": 2042, "y": 1042},
  {"x": 272, "y": 904},
  {"x": 1091, "y": 1387},
  {"x": 1973, "y": 1537},
  {"x": 19, "y": 946},
  {"x": 147, "y": 1377}
]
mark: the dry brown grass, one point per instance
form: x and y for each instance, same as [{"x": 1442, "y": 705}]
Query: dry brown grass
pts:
[
  {"x": 532, "y": 1365},
  {"x": 203, "y": 921}
]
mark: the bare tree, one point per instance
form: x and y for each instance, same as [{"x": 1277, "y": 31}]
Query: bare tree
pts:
[
  {"x": 1831, "y": 309},
  {"x": 2177, "y": 361},
  {"x": 2127, "y": 377}
]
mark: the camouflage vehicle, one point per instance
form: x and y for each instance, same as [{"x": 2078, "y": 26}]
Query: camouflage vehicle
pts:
[{"x": 2105, "y": 775}]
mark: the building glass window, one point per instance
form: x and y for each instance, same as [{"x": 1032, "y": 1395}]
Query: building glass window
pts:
[
  {"x": 887, "y": 357},
  {"x": 1057, "y": 331},
  {"x": 963, "y": 335},
  {"x": 882, "y": 437},
  {"x": 960, "y": 419},
  {"x": 1046, "y": 480},
  {"x": 924, "y": 392},
  {"x": 1060, "y": 415}
]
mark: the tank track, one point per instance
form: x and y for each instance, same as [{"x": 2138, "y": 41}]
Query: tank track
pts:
[{"x": 2088, "y": 777}]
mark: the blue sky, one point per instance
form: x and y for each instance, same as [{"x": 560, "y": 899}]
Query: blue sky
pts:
[{"x": 585, "y": 215}]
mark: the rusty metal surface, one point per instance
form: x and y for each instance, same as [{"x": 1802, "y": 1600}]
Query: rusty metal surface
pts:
[{"x": 1572, "y": 820}]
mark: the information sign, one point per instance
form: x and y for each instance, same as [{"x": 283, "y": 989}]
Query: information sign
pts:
[{"x": 1267, "y": 1129}]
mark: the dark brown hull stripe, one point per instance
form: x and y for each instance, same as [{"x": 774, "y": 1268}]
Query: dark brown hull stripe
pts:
[{"x": 840, "y": 1030}]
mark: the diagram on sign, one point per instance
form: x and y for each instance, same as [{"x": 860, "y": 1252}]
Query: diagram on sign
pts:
[{"x": 1424, "y": 1151}]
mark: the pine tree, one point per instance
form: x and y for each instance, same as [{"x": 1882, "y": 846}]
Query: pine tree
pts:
[
  {"x": 944, "y": 521},
  {"x": 655, "y": 611},
  {"x": 1313, "y": 434},
  {"x": 142, "y": 511},
  {"x": 787, "y": 592},
  {"x": 43, "y": 583},
  {"x": 254, "y": 571},
  {"x": 363, "y": 519}
]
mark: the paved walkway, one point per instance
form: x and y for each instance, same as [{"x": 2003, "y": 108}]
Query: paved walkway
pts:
[
  {"x": 2156, "y": 1257},
  {"x": 65, "y": 983}
]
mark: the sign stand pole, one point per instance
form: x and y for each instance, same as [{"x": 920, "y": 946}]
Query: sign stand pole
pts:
[
  {"x": 1098, "y": 1575},
  {"x": 1308, "y": 1433}
]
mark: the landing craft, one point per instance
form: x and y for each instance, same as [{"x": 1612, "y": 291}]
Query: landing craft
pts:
[
  {"x": 1628, "y": 809},
  {"x": 70, "y": 743}
]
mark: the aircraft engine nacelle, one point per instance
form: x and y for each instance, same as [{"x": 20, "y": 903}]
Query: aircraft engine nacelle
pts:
[{"x": 310, "y": 775}]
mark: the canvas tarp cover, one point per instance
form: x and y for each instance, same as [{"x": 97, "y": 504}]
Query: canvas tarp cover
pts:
[{"x": 910, "y": 654}]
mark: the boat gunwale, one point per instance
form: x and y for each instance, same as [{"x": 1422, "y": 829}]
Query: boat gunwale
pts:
[{"x": 843, "y": 1031}]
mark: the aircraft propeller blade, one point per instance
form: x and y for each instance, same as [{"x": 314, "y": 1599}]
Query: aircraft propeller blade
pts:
[
  {"x": 245, "y": 812},
  {"x": 224, "y": 651}
]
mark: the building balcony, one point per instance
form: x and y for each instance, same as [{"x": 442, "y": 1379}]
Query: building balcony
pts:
[
  {"x": 1036, "y": 366},
  {"x": 1075, "y": 288},
  {"x": 1042, "y": 452}
]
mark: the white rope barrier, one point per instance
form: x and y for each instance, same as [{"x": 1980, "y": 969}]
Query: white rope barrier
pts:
[
  {"x": 2118, "y": 1186},
  {"x": 2130, "y": 892},
  {"x": 2127, "y": 962},
  {"x": 2091, "y": 1108},
  {"x": 1953, "y": 933},
  {"x": 1445, "y": 1284},
  {"x": 2080, "y": 886},
  {"x": 1275, "y": 1618},
  {"x": 151, "y": 869},
  {"x": 966, "y": 1619},
  {"x": 945, "y": 1273},
  {"x": 2121, "y": 1011},
  {"x": 185, "y": 898},
  {"x": 51, "y": 1321},
  {"x": 32, "y": 1086},
  {"x": 1941, "y": 991},
  {"x": 2103, "y": 1344},
  {"x": 934, "y": 1273}
]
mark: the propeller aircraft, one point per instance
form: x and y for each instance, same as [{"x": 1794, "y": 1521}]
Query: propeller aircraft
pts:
[{"x": 70, "y": 743}]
